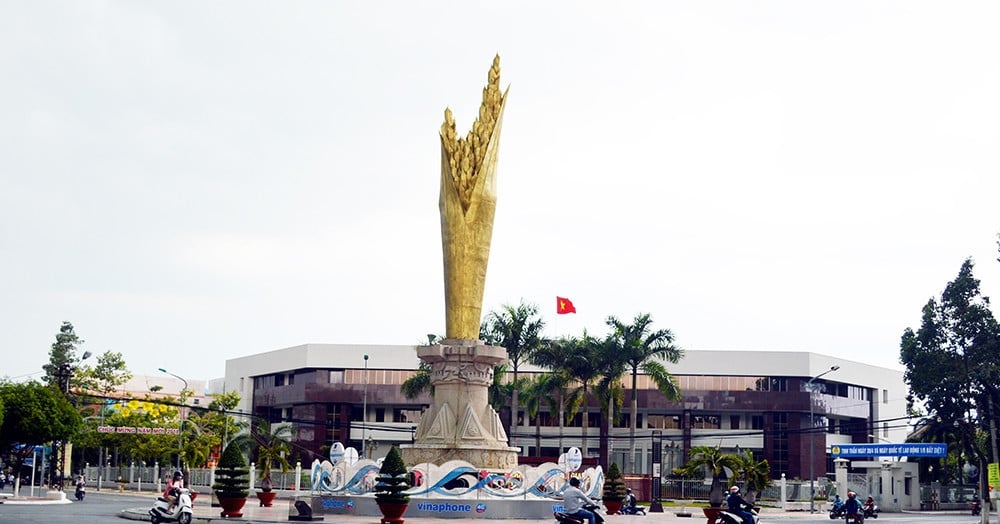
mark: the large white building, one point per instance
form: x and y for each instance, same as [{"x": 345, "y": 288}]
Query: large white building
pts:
[{"x": 758, "y": 400}]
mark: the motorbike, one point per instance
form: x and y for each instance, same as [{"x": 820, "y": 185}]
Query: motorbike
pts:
[
  {"x": 728, "y": 517},
  {"x": 837, "y": 512},
  {"x": 977, "y": 508},
  {"x": 871, "y": 511},
  {"x": 81, "y": 491},
  {"x": 563, "y": 518},
  {"x": 181, "y": 512}
]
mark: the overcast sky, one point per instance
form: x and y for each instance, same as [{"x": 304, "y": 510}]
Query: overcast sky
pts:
[{"x": 188, "y": 182}]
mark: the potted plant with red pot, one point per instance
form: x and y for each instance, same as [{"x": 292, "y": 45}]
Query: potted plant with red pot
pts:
[
  {"x": 231, "y": 481},
  {"x": 390, "y": 488},
  {"x": 614, "y": 490}
]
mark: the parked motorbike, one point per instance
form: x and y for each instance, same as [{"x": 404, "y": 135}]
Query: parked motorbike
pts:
[
  {"x": 181, "y": 512},
  {"x": 563, "y": 518},
  {"x": 727, "y": 517},
  {"x": 977, "y": 508}
]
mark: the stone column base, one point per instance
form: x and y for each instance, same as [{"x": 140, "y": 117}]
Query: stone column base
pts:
[{"x": 486, "y": 458}]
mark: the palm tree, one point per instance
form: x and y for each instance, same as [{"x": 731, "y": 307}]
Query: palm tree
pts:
[
  {"x": 567, "y": 400},
  {"x": 716, "y": 462},
  {"x": 756, "y": 474},
  {"x": 643, "y": 349},
  {"x": 518, "y": 330},
  {"x": 608, "y": 389},
  {"x": 578, "y": 358},
  {"x": 274, "y": 446}
]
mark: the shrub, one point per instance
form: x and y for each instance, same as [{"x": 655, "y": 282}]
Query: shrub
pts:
[
  {"x": 614, "y": 487},
  {"x": 232, "y": 475},
  {"x": 392, "y": 480}
]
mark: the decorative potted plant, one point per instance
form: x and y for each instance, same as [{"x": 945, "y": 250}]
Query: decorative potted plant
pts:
[
  {"x": 716, "y": 463},
  {"x": 231, "y": 482},
  {"x": 390, "y": 486},
  {"x": 273, "y": 446},
  {"x": 614, "y": 490}
]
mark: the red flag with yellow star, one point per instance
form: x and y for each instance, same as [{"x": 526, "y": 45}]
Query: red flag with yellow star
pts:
[{"x": 563, "y": 306}]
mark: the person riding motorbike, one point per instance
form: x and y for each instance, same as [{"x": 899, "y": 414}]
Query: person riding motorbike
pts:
[
  {"x": 574, "y": 500},
  {"x": 174, "y": 486},
  {"x": 81, "y": 489},
  {"x": 737, "y": 503},
  {"x": 869, "y": 507},
  {"x": 853, "y": 508}
]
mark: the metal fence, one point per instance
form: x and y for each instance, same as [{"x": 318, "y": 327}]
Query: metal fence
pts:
[{"x": 138, "y": 476}]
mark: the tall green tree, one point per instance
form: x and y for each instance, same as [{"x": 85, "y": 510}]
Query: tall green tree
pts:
[
  {"x": 518, "y": 330},
  {"x": 33, "y": 414},
  {"x": 953, "y": 360},
  {"x": 105, "y": 377},
  {"x": 646, "y": 350},
  {"x": 62, "y": 354}
]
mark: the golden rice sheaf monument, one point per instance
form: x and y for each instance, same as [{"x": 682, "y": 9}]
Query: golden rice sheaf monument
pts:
[{"x": 460, "y": 424}]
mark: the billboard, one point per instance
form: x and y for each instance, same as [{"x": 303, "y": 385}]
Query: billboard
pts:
[{"x": 889, "y": 450}]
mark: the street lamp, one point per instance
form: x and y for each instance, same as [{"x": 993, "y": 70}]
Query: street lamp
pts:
[
  {"x": 364, "y": 410},
  {"x": 812, "y": 439},
  {"x": 180, "y": 433}
]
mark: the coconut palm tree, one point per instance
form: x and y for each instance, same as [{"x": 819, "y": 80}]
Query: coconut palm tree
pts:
[
  {"x": 646, "y": 350},
  {"x": 518, "y": 330},
  {"x": 567, "y": 399},
  {"x": 579, "y": 359},
  {"x": 274, "y": 445},
  {"x": 715, "y": 462},
  {"x": 755, "y": 474}
]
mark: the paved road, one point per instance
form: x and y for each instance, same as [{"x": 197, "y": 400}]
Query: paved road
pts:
[
  {"x": 95, "y": 508},
  {"x": 106, "y": 508}
]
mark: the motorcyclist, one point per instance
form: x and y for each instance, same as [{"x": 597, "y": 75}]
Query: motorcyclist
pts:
[
  {"x": 853, "y": 508},
  {"x": 737, "y": 503},
  {"x": 80, "y": 485},
  {"x": 630, "y": 501},
  {"x": 173, "y": 490},
  {"x": 574, "y": 500},
  {"x": 869, "y": 506},
  {"x": 838, "y": 503}
]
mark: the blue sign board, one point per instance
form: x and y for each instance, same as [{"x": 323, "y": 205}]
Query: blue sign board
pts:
[{"x": 889, "y": 450}]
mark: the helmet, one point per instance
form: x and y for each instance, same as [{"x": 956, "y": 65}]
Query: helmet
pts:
[
  {"x": 575, "y": 482},
  {"x": 628, "y": 490},
  {"x": 851, "y": 494},
  {"x": 734, "y": 489},
  {"x": 178, "y": 475}
]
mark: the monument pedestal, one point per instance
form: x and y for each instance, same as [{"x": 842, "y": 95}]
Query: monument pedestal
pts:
[{"x": 461, "y": 425}]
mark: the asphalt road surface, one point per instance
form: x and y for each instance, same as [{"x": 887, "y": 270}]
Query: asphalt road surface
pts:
[{"x": 96, "y": 507}]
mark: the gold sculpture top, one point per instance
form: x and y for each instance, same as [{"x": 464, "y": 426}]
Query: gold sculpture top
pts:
[{"x": 467, "y": 204}]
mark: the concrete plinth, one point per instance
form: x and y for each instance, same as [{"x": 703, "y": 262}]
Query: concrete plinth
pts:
[{"x": 461, "y": 425}]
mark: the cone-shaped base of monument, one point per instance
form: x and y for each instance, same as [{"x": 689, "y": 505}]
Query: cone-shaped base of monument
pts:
[{"x": 461, "y": 425}]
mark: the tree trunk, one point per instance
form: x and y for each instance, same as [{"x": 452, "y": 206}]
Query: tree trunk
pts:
[{"x": 635, "y": 419}]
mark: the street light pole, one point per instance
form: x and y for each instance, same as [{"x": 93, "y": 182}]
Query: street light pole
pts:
[
  {"x": 180, "y": 432},
  {"x": 812, "y": 439},
  {"x": 364, "y": 411}
]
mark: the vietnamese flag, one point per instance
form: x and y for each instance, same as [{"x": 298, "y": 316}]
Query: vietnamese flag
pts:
[{"x": 563, "y": 306}]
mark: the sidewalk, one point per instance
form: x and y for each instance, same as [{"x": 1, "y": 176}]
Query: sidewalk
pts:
[{"x": 282, "y": 508}]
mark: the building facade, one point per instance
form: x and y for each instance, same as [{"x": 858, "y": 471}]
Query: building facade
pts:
[{"x": 756, "y": 400}]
